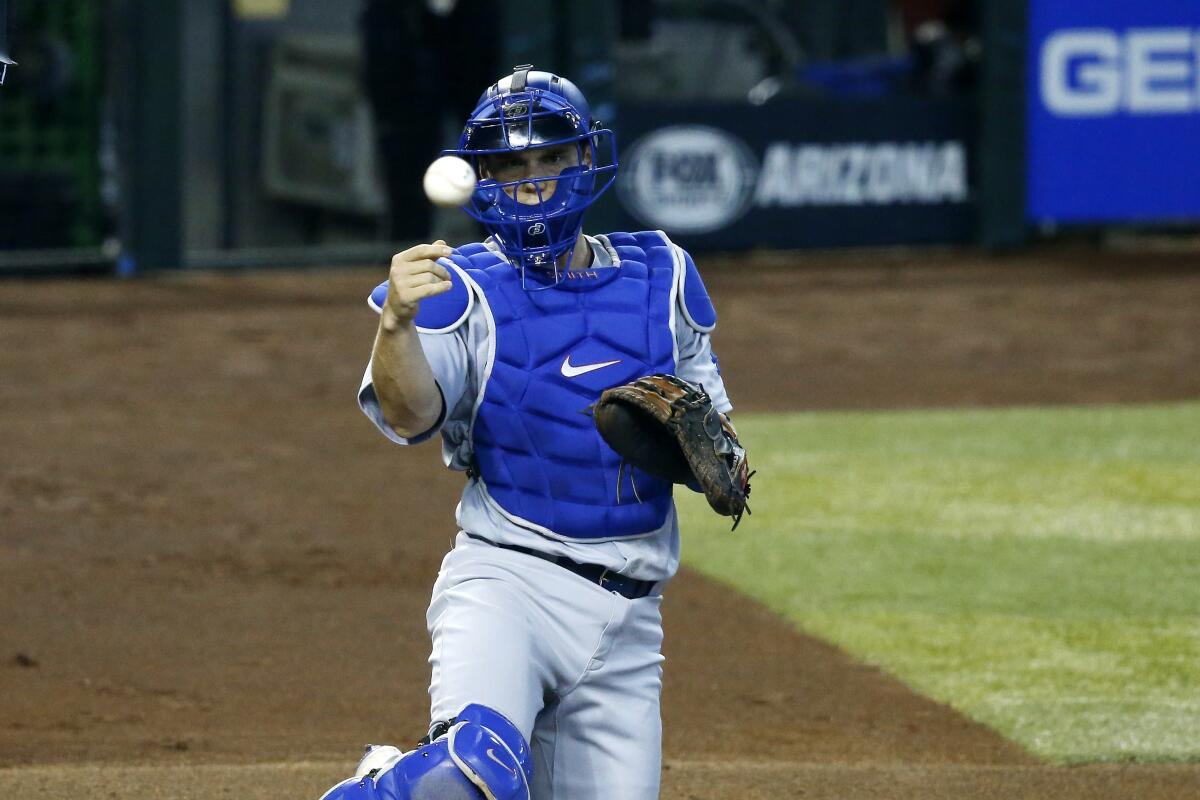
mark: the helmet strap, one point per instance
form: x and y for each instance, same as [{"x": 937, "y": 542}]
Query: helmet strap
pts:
[{"x": 520, "y": 78}]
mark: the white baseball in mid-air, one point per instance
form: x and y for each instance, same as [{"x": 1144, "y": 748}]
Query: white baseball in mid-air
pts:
[{"x": 449, "y": 182}]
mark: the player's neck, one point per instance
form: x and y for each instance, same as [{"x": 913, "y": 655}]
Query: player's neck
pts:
[{"x": 578, "y": 257}]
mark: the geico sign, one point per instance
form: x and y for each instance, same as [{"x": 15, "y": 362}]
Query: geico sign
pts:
[{"x": 1091, "y": 72}]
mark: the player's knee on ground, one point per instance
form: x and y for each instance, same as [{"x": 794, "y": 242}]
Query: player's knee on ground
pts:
[{"x": 477, "y": 755}]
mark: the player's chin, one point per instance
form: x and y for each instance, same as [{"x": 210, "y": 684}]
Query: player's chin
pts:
[{"x": 532, "y": 198}]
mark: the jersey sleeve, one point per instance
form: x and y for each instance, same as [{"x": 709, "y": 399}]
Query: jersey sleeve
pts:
[
  {"x": 698, "y": 364},
  {"x": 447, "y": 357},
  {"x": 694, "y": 302},
  {"x": 694, "y": 322}
]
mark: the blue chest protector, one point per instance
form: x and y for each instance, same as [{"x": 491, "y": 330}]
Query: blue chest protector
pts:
[
  {"x": 551, "y": 354},
  {"x": 555, "y": 351}
]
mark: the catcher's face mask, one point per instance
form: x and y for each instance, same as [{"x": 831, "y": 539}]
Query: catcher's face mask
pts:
[{"x": 542, "y": 161}]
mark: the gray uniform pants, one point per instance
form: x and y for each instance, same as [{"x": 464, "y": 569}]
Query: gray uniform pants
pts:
[{"x": 576, "y": 668}]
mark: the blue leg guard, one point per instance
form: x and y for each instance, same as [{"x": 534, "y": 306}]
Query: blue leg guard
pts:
[{"x": 480, "y": 756}]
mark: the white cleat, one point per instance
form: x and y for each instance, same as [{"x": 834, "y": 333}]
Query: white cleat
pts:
[{"x": 378, "y": 757}]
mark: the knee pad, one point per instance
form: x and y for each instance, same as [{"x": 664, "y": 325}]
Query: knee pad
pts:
[{"x": 479, "y": 755}]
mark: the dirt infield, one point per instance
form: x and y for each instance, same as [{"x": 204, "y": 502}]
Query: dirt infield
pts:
[{"x": 212, "y": 567}]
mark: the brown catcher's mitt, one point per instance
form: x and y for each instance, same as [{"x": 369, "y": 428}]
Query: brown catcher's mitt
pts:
[{"x": 667, "y": 427}]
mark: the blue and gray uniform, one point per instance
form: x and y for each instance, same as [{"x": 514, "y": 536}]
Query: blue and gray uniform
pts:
[{"x": 575, "y": 667}]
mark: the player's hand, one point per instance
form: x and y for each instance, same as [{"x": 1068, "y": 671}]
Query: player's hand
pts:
[{"x": 415, "y": 275}]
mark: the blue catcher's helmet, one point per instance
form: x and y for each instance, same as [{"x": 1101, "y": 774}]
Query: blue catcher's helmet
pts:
[
  {"x": 478, "y": 755},
  {"x": 527, "y": 110}
]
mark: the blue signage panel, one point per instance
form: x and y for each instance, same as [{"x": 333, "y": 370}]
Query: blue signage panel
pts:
[
  {"x": 798, "y": 173},
  {"x": 1114, "y": 110}
]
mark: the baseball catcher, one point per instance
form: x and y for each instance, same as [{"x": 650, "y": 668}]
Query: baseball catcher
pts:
[{"x": 547, "y": 609}]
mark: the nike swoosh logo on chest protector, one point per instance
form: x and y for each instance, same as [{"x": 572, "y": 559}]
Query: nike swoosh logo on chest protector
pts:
[{"x": 569, "y": 370}]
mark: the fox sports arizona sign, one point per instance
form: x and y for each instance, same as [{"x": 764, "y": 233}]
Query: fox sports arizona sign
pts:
[
  {"x": 1114, "y": 110},
  {"x": 695, "y": 179}
]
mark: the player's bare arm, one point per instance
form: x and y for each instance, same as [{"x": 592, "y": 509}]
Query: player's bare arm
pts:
[{"x": 404, "y": 383}]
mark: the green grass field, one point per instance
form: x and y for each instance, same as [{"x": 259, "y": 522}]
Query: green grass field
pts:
[{"x": 1037, "y": 569}]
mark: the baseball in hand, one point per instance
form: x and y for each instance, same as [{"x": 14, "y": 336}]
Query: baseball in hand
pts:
[{"x": 449, "y": 182}]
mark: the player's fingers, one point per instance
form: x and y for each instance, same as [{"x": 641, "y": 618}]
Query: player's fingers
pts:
[
  {"x": 404, "y": 301},
  {"x": 421, "y": 251},
  {"x": 422, "y": 278},
  {"x": 400, "y": 273},
  {"x": 429, "y": 290},
  {"x": 403, "y": 273}
]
